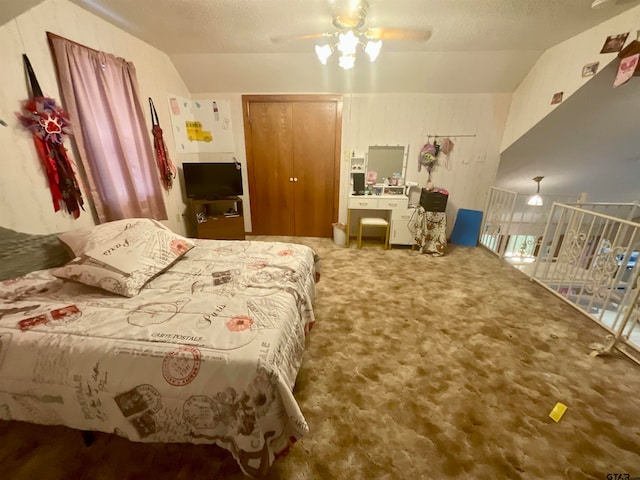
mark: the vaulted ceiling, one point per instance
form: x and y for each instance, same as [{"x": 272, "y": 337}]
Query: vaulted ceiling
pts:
[{"x": 475, "y": 45}]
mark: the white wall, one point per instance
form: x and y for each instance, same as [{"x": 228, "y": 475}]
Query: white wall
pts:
[
  {"x": 407, "y": 119},
  {"x": 559, "y": 69},
  {"x": 25, "y": 201},
  {"x": 237, "y": 126}
]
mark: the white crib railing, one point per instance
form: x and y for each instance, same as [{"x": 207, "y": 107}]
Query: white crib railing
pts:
[{"x": 590, "y": 259}]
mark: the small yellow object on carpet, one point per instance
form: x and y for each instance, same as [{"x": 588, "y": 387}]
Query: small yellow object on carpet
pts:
[{"x": 558, "y": 411}]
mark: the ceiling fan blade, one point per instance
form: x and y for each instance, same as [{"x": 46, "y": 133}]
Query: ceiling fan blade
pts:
[
  {"x": 278, "y": 39},
  {"x": 601, "y": 4},
  {"x": 416, "y": 35}
]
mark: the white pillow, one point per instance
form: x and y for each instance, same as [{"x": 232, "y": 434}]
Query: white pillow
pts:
[
  {"x": 126, "y": 262},
  {"x": 83, "y": 239}
]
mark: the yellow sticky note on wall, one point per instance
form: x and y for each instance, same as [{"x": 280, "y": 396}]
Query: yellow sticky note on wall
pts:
[{"x": 558, "y": 411}]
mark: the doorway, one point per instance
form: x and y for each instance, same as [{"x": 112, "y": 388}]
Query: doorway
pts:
[{"x": 293, "y": 163}]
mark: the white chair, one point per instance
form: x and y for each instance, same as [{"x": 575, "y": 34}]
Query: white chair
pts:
[{"x": 374, "y": 222}]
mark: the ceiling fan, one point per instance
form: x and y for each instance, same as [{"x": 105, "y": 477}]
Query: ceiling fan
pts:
[{"x": 349, "y": 17}]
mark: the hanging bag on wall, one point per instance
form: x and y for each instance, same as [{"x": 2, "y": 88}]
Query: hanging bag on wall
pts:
[{"x": 165, "y": 166}]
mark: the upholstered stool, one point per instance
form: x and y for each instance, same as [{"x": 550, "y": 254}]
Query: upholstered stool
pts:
[{"x": 374, "y": 222}]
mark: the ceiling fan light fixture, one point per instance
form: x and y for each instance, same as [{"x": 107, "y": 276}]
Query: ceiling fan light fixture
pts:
[
  {"x": 349, "y": 17},
  {"x": 348, "y": 43},
  {"x": 373, "y": 49},
  {"x": 346, "y": 62},
  {"x": 323, "y": 52},
  {"x": 349, "y": 14}
]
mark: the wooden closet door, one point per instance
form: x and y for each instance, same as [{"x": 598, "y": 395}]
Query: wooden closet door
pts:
[
  {"x": 293, "y": 137},
  {"x": 314, "y": 147},
  {"x": 272, "y": 191}
]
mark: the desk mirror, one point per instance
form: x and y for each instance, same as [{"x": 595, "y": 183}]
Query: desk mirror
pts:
[{"x": 386, "y": 161}]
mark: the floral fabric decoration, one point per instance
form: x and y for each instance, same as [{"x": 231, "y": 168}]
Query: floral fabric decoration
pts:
[
  {"x": 429, "y": 232},
  {"x": 428, "y": 157}
]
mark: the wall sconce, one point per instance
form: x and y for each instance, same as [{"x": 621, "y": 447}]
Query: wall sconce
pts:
[{"x": 536, "y": 200}]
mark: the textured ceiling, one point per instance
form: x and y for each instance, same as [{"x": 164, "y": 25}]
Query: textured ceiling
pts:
[{"x": 247, "y": 26}]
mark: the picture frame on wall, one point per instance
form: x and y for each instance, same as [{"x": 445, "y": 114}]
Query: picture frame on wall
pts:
[
  {"x": 590, "y": 69},
  {"x": 626, "y": 68},
  {"x": 614, "y": 43}
]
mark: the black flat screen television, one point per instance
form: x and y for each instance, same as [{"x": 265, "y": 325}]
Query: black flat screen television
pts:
[{"x": 212, "y": 181}]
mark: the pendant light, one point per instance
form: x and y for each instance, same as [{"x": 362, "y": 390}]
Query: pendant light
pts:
[{"x": 536, "y": 200}]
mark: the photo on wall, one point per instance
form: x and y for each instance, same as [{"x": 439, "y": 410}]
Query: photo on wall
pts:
[
  {"x": 625, "y": 70},
  {"x": 614, "y": 43},
  {"x": 590, "y": 69}
]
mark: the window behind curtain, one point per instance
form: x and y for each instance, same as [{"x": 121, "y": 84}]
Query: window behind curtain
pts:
[{"x": 100, "y": 93}]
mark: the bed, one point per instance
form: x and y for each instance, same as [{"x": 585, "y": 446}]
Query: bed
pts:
[{"x": 204, "y": 347}]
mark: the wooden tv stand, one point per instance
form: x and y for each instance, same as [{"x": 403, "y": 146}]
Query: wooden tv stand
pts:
[{"x": 218, "y": 219}]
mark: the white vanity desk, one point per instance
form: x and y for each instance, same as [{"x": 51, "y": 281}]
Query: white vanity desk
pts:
[
  {"x": 398, "y": 213},
  {"x": 384, "y": 163}
]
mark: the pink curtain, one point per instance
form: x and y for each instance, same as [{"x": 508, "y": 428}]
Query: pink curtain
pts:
[{"x": 100, "y": 93}]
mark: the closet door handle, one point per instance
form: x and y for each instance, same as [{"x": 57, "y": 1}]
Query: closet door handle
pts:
[
  {"x": 295, "y": 179},
  {"x": 291, "y": 179}
]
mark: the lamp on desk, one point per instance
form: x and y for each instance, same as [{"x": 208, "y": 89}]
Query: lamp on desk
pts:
[{"x": 536, "y": 200}]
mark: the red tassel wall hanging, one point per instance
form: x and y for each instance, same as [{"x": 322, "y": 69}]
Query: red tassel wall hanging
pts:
[{"x": 165, "y": 165}]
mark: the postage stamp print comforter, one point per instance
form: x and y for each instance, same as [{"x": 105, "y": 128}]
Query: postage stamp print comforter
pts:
[{"x": 207, "y": 352}]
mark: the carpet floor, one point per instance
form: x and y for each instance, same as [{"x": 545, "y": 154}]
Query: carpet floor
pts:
[{"x": 418, "y": 367}]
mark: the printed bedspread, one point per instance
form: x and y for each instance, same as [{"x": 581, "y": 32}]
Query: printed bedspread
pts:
[{"x": 207, "y": 352}]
